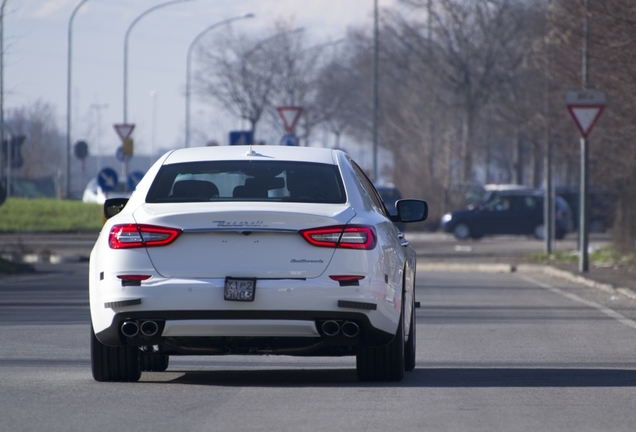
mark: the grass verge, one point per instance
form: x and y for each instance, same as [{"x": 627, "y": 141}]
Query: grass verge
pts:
[
  {"x": 43, "y": 214},
  {"x": 603, "y": 257}
]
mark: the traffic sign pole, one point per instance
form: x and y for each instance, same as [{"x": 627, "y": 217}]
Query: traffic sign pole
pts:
[
  {"x": 586, "y": 107},
  {"x": 124, "y": 130},
  {"x": 584, "y": 262}
]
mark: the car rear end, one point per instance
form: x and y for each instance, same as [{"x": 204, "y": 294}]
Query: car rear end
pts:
[{"x": 282, "y": 265}]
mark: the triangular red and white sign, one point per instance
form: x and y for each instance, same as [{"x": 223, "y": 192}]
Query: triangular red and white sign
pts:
[
  {"x": 585, "y": 106},
  {"x": 585, "y": 116},
  {"x": 290, "y": 116},
  {"x": 124, "y": 130}
]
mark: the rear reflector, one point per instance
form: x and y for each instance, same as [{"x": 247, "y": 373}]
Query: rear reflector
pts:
[
  {"x": 346, "y": 278},
  {"x": 350, "y": 237},
  {"x": 134, "y": 277},
  {"x": 136, "y": 236}
]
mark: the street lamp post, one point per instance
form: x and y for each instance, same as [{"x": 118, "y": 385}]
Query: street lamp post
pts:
[
  {"x": 189, "y": 65},
  {"x": 375, "y": 91},
  {"x": 68, "y": 98},
  {"x": 154, "y": 8},
  {"x": 2, "y": 5}
]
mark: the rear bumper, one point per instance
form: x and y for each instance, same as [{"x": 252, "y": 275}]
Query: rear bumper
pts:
[
  {"x": 286, "y": 314},
  {"x": 248, "y": 332}
]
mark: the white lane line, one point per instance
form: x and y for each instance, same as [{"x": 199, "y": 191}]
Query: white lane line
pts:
[{"x": 607, "y": 311}]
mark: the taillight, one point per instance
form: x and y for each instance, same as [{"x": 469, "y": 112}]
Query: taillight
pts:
[
  {"x": 350, "y": 237},
  {"x": 135, "y": 236}
]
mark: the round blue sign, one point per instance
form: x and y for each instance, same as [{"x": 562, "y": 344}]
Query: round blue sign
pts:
[
  {"x": 119, "y": 154},
  {"x": 134, "y": 178},
  {"x": 289, "y": 140},
  {"x": 107, "y": 179}
]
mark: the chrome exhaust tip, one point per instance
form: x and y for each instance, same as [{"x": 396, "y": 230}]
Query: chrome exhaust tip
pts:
[
  {"x": 149, "y": 328},
  {"x": 130, "y": 329},
  {"x": 330, "y": 328},
  {"x": 350, "y": 329}
]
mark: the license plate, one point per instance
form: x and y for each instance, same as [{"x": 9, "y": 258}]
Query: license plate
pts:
[{"x": 239, "y": 289}]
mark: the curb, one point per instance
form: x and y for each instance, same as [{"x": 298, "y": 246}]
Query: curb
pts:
[{"x": 525, "y": 268}]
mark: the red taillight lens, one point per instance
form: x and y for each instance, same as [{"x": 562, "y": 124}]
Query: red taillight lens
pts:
[
  {"x": 350, "y": 237},
  {"x": 135, "y": 236}
]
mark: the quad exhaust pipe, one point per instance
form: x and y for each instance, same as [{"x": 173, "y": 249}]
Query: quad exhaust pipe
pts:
[
  {"x": 350, "y": 329},
  {"x": 149, "y": 328},
  {"x": 333, "y": 328},
  {"x": 330, "y": 328},
  {"x": 132, "y": 329}
]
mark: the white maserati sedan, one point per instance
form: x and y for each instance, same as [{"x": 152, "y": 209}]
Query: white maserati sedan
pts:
[{"x": 264, "y": 250}]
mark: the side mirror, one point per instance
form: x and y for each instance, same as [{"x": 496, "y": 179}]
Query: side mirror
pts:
[
  {"x": 114, "y": 206},
  {"x": 410, "y": 210}
]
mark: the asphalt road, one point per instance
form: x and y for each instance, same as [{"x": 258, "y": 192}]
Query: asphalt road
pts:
[{"x": 496, "y": 352}]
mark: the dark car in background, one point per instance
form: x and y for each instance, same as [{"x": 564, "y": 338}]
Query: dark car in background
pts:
[
  {"x": 517, "y": 211},
  {"x": 601, "y": 206}
]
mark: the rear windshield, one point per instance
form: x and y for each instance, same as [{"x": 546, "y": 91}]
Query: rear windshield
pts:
[{"x": 247, "y": 181}]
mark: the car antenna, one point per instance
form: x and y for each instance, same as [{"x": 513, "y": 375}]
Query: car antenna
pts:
[{"x": 251, "y": 152}]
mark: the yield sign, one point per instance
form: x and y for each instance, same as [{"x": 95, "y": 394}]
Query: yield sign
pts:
[
  {"x": 585, "y": 106},
  {"x": 124, "y": 130},
  {"x": 290, "y": 116}
]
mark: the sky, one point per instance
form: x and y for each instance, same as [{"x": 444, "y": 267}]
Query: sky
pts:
[{"x": 36, "y": 41}]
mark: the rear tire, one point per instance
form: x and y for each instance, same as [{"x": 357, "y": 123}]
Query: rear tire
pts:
[
  {"x": 385, "y": 363},
  {"x": 114, "y": 363},
  {"x": 409, "y": 347}
]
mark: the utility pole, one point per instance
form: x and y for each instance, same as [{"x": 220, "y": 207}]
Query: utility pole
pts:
[
  {"x": 4, "y": 3},
  {"x": 584, "y": 264},
  {"x": 548, "y": 200},
  {"x": 69, "y": 89},
  {"x": 375, "y": 91}
]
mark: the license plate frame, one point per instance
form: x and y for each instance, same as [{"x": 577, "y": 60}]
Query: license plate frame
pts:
[{"x": 239, "y": 289}]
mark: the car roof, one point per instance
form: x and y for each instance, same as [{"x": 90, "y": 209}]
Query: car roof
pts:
[{"x": 257, "y": 152}]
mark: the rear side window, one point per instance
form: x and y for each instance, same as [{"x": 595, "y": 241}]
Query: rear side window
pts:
[{"x": 248, "y": 181}]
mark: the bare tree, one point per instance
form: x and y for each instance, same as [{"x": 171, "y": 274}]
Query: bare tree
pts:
[
  {"x": 43, "y": 147},
  {"x": 240, "y": 74},
  {"x": 478, "y": 46},
  {"x": 337, "y": 95},
  {"x": 295, "y": 84},
  {"x": 612, "y": 69}
]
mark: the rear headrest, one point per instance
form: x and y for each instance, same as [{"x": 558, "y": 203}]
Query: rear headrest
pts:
[
  {"x": 194, "y": 189},
  {"x": 251, "y": 189}
]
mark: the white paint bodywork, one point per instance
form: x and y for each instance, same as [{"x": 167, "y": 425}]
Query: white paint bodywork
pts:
[{"x": 291, "y": 274}]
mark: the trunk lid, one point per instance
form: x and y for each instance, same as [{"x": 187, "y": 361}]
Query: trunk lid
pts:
[{"x": 242, "y": 239}]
